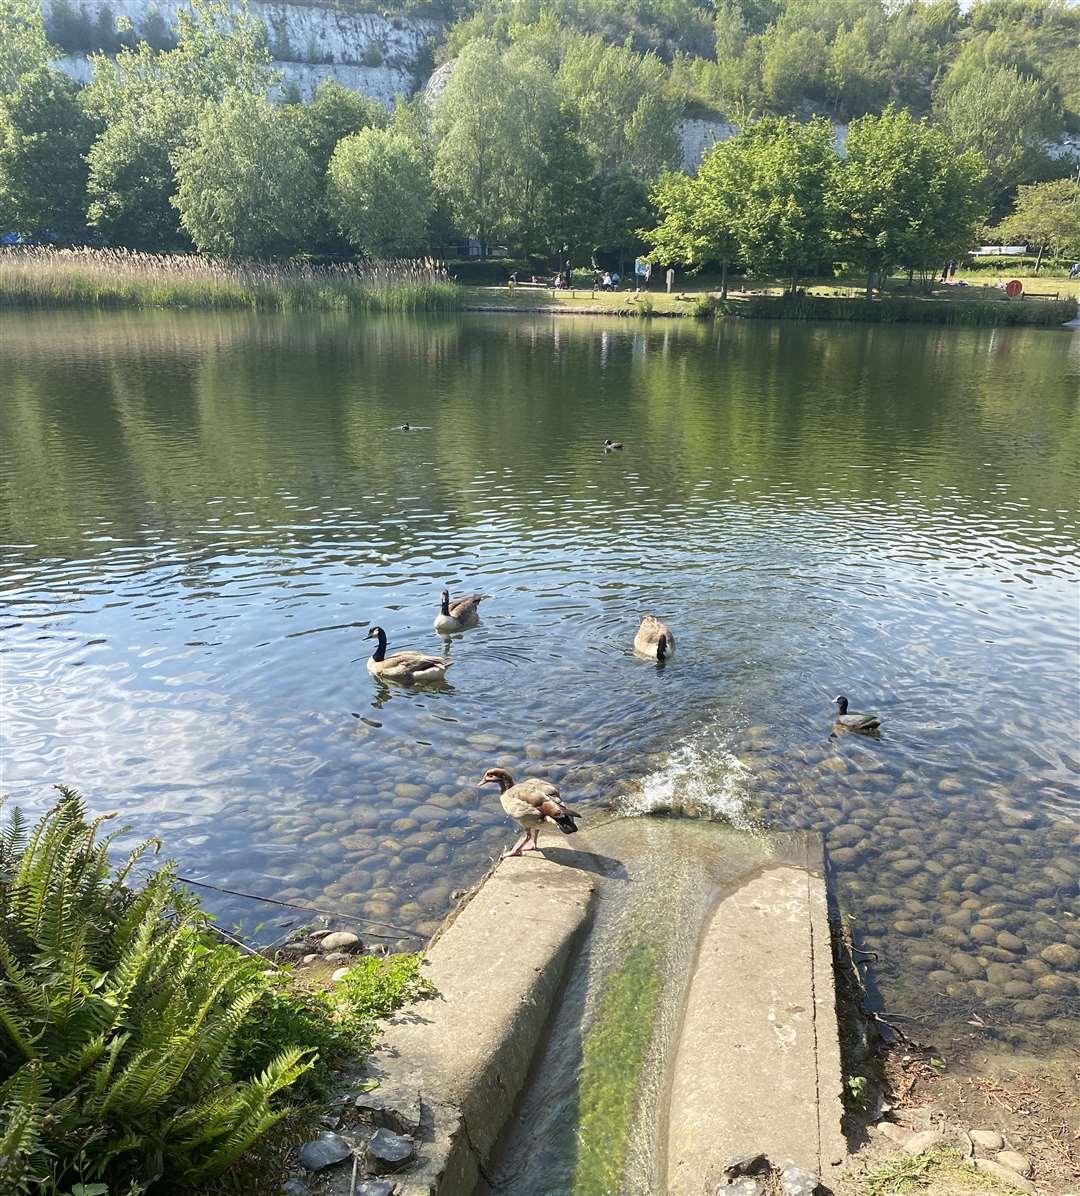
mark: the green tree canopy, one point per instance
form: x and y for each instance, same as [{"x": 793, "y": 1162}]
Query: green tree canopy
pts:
[
  {"x": 245, "y": 188},
  {"x": 23, "y": 44},
  {"x": 148, "y": 100},
  {"x": 1004, "y": 115},
  {"x": 380, "y": 192},
  {"x": 903, "y": 196},
  {"x": 1046, "y": 215},
  {"x": 44, "y": 137},
  {"x": 786, "y": 178}
]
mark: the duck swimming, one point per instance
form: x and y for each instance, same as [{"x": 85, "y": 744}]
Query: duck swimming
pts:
[
  {"x": 654, "y": 639},
  {"x": 403, "y": 666},
  {"x": 459, "y": 614},
  {"x": 853, "y": 721},
  {"x": 612, "y": 445}
]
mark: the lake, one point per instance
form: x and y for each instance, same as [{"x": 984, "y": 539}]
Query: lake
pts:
[{"x": 201, "y": 516}]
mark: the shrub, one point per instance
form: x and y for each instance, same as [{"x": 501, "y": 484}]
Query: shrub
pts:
[{"x": 118, "y": 1019}]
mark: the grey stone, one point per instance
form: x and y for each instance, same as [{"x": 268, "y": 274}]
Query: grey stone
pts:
[
  {"x": 1061, "y": 955},
  {"x": 746, "y": 1164},
  {"x": 337, "y": 957},
  {"x": 750, "y": 1185},
  {"x": 1015, "y": 1161},
  {"x": 338, "y": 974},
  {"x": 376, "y": 1187},
  {"x": 326, "y": 1150},
  {"x": 1005, "y": 1174},
  {"x": 387, "y": 1151},
  {"x": 892, "y": 1131},
  {"x": 341, "y": 940},
  {"x": 923, "y": 1140},
  {"x": 987, "y": 1139},
  {"x": 396, "y": 1109},
  {"x": 294, "y": 1187},
  {"x": 797, "y": 1181}
]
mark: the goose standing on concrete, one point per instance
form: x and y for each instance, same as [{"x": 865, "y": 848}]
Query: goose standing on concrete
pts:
[
  {"x": 403, "y": 666},
  {"x": 459, "y": 614},
  {"x": 853, "y": 721},
  {"x": 530, "y": 805},
  {"x": 654, "y": 639}
]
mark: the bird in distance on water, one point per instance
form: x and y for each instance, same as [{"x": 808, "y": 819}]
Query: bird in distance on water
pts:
[
  {"x": 611, "y": 446},
  {"x": 853, "y": 721},
  {"x": 530, "y": 804}
]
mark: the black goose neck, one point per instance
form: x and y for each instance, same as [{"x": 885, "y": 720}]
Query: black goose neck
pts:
[{"x": 380, "y": 647}]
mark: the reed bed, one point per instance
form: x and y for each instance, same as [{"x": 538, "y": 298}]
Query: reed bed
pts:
[
  {"x": 51, "y": 278},
  {"x": 909, "y": 310}
]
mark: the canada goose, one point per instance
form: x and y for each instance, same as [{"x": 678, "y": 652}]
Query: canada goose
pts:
[
  {"x": 403, "y": 666},
  {"x": 530, "y": 805},
  {"x": 459, "y": 614},
  {"x": 404, "y": 428},
  {"x": 854, "y": 722},
  {"x": 611, "y": 445},
  {"x": 654, "y": 639}
]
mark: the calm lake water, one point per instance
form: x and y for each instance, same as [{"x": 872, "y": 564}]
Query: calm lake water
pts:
[{"x": 201, "y": 515}]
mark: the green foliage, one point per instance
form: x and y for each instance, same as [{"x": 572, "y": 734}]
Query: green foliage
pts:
[
  {"x": 955, "y": 312},
  {"x": 903, "y": 196},
  {"x": 23, "y": 46},
  {"x": 118, "y": 1019},
  {"x": 380, "y": 192},
  {"x": 1046, "y": 215},
  {"x": 244, "y": 187},
  {"x": 613, "y": 1055},
  {"x": 44, "y": 137},
  {"x": 1005, "y": 116},
  {"x": 911, "y": 1173}
]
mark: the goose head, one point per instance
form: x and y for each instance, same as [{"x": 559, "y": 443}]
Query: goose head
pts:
[
  {"x": 496, "y": 776},
  {"x": 841, "y": 701},
  {"x": 446, "y": 602}
]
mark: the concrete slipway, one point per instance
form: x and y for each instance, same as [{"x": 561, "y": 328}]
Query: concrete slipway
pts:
[{"x": 622, "y": 1018}]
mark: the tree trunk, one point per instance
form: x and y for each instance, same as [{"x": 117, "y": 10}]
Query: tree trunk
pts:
[
  {"x": 869, "y": 284},
  {"x": 1038, "y": 260},
  {"x": 723, "y": 279},
  {"x": 794, "y": 282}
]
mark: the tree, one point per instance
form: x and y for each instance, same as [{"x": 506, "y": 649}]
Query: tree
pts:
[
  {"x": 506, "y": 157},
  {"x": 1046, "y": 215},
  {"x": 783, "y": 222},
  {"x": 148, "y": 100},
  {"x": 701, "y": 215},
  {"x": 244, "y": 187},
  {"x": 23, "y": 44},
  {"x": 380, "y": 192},
  {"x": 903, "y": 195},
  {"x": 1003, "y": 114},
  {"x": 44, "y": 136}
]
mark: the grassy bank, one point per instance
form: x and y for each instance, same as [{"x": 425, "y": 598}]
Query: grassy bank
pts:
[
  {"x": 53, "y": 278},
  {"x": 1043, "y": 313}
]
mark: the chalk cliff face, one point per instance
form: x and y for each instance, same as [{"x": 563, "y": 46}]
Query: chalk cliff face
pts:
[{"x": 377, "y": 55}]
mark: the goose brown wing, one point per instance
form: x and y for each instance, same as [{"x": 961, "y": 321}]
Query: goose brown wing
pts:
[
  {"x": 544, "y": 797},
  {"x": 463, "y": 608}
]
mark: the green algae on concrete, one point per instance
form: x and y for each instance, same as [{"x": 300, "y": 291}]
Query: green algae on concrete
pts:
[{"x": 613, "y": 1055}]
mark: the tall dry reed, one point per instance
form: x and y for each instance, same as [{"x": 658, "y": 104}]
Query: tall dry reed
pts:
[{"x": 45, "y": 277}]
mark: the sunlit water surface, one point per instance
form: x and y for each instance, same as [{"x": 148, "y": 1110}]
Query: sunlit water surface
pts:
[{"x": 201, "y": 515}]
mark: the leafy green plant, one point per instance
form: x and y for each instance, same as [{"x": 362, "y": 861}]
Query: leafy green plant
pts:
[
  {"x": 907, "y": 1173},
  {"x": 118, "y": 1019}
]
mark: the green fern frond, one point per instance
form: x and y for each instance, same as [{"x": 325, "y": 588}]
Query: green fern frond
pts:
[{"x": 23, "y": 1106}]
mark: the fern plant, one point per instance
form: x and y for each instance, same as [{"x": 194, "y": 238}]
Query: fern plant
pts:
[{"x": 119, "y": 1019}]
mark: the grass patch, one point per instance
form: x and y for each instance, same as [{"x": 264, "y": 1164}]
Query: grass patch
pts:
[
  {"x": 940, "y": 1165},
  {"x": 898, "y": 310},
  {"x": 612, "y": 1058},
  {"x": 53, "y": 278}
]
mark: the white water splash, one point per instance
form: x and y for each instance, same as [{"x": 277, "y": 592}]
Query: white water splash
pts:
[{"x": 699, "y": 781}]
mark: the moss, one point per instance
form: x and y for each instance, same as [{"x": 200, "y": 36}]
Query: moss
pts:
[{"x": 613, "y": 1057}]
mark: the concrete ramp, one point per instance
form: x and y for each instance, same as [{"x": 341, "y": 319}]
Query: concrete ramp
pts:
[
  {"x": 620, "y": 1019},
  {"x": 757, "y": 1067}
]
